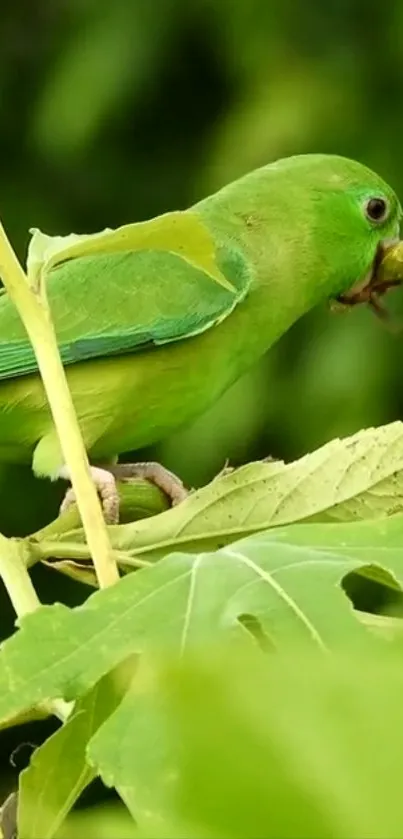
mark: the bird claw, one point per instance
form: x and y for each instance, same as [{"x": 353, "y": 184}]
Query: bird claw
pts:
[
  {"x": 167, "y": 481},
  {"x": 106, "y": 487},
  {"x": 105, "y": 482}
]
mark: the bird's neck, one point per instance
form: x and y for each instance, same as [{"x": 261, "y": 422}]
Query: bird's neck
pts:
[{"x": 284, "y": 267}]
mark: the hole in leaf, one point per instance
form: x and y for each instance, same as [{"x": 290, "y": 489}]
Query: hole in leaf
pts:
[
  {"x": 373, "y": 589},
  {"x": 253, "y": 625}
]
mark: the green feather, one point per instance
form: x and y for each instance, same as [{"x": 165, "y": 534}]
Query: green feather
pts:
[
  {"x": 156, "y": 320},
  {"x": 119, "y": 303}
]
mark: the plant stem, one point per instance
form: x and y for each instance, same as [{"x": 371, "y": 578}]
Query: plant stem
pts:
[
  {"x": 72, "y": 550},
  {"x": 24, "y": 598},
  {"x": 34, "y": 312},
  {"x": 16, "y": 578}
]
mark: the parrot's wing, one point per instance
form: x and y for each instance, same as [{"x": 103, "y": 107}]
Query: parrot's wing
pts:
[{"x": 125, "y": 301}]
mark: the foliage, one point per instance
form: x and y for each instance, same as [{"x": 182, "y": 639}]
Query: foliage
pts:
[
  {"x": 243, "y": 678},
  {"x": 210, "y": 688}
]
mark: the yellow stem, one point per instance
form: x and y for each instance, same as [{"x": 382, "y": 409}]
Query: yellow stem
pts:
[
  {"x": 24, "y": 598},
  {"x": 16, "y": 578},
  {"x": 35, "y": 314}
]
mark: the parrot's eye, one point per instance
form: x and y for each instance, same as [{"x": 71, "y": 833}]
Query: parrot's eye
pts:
[{"x": 376, "y": 209}]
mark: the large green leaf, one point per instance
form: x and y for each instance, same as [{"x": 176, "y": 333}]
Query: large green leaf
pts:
[
  {"x": 287, "y": 746},
  {"x": 359, "y": 477},
  {"x": 275, "y": 587},
  {"x": 291, "y": 592}
]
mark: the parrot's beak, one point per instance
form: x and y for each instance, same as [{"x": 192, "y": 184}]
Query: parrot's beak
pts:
[{"x": 386, "y": 272}]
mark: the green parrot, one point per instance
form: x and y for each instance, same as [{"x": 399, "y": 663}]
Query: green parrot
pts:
[{"x": 156, "y": 320}]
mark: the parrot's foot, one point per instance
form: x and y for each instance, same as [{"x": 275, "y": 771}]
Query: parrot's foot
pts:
[
  {"x": 106, "y": 488},
  {"x": 169, "y": 483},
  {"x": 105, "y": 482}
]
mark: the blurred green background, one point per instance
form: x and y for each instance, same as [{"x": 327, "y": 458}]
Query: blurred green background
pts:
[{"x": 113, "y": 112}]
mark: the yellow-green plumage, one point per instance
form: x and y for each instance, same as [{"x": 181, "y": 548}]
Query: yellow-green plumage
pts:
[{"x": 155, "y": 322}]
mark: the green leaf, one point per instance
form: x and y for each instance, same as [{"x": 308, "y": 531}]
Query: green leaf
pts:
[
  {"x": 272, "y": 588},
  {"x": 144, "y": 772},
  {"x": 291, "y": 592},
  {"x": 59, "y": 770},
  {"x": 359, "y": 477},
  {"x": 376, "y": 544},
  {"x": 235, "y": 745},
  {"x": 384, "y": 625}
]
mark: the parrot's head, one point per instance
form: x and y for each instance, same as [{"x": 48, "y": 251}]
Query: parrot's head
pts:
[
  {"x": 353, "y": 220},
  {"x": 381, "y": 216}
]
